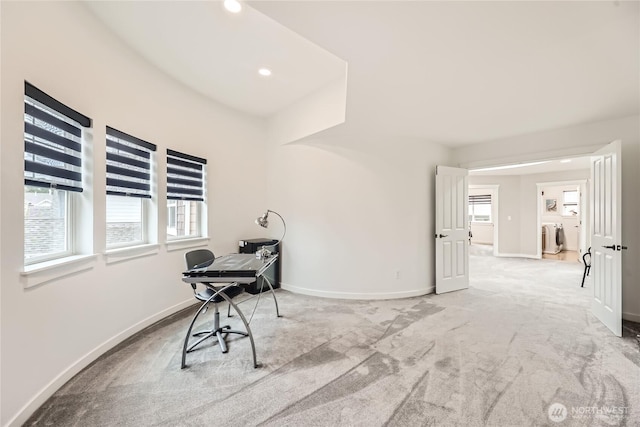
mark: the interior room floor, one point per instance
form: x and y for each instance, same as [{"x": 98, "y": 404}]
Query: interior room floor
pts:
[
  {"x": 514, "y": 349},
  {"x": 563, "y": 256}
]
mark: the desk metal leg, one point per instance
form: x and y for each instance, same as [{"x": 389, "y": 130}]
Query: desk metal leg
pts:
[
  {"x": 201, "y": 309},
  {"x": 274, "y": 295}
]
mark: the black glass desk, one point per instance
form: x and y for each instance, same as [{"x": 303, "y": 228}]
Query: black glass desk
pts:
[{"x": 232, "y": 270}]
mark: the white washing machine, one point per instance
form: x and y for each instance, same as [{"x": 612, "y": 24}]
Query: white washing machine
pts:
[{"x": 552, "y": 238}]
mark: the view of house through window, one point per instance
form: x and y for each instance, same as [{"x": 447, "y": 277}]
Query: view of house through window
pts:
[
  {"x": 183, "y": 218},
  {"x": 46, "y": 223},
  {"x": 124, "y": 220}
]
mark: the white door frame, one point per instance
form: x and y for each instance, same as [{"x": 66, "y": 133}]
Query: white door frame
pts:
[
  {"x": 494, "y": 190},
  {"x": 583, "y": 229}
]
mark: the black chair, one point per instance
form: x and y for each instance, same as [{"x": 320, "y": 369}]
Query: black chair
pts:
[
  {"x": 200, "y": 258},
  {"x": 586, "y": 259}
]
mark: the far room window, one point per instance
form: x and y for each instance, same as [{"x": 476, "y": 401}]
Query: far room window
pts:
[
  {"x": 186, "y": 177},
  {"x": 570, "y": 203},
  {"x": 53, "y": 176},
  {"x": 480, "y": 208},
  {"x": 129, "y": 169}
]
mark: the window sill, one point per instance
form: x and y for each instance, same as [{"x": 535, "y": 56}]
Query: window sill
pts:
[
  {"x": 131, "y": 252},
  {"x": 43, "y": 272},
  {"x": 180, "y": 244}
]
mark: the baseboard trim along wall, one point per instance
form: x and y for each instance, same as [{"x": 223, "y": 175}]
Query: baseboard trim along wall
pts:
[
  {"x": 357, "y": 295},
  {"x": 631, "y": 317},
  {"x": 38, "y": 400}
]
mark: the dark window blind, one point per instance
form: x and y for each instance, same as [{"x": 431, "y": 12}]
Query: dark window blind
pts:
[
  {"x": 52, "y": 142},
  {"x": 484, "y": 199},
  {"x": 185, "y": 176},
  {"x": 128, "y": 165}
]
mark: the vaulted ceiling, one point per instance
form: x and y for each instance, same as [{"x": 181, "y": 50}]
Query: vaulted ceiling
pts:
[{"x": 453, "y": 73}]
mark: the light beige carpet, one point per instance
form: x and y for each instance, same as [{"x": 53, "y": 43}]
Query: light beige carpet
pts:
[{"x": 518, "y": 348}]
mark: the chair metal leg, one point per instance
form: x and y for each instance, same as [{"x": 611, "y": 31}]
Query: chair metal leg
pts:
[
  {"x": 194, "y": 345},
  {"x": 221, "y": 341},
  {"x": 220, "y": 332},
  {"x": 587, "y": 269}
]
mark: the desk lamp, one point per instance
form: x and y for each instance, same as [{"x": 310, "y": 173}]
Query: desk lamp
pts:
[{"x": 263, "y": 221}]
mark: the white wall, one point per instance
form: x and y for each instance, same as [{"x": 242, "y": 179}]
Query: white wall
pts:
[
  {"x": 359, "y": 215},
  {"x": 482, "y": 233},
  {"x": 580, "y": 140},
  {"x": 320, "y": 110},
  {"x": 50, "y": 331}
]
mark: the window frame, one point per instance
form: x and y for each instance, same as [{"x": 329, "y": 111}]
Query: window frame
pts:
[
  {"x": 69, "y": 232},
  {"x": 50, "y": 154},
  {"x": 184, "y": 186},
  {"x": 131, "y": 164}
]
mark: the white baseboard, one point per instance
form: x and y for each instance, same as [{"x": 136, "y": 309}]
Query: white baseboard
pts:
[
  {"x": 632, "y": 317},
  {"x": 47, "y": 391},
  {"x": 517, "y": 256},
  {"x": 357, "y": 295}
]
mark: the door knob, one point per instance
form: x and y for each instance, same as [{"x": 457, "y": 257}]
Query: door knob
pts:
[
  {"x": 610, "y": 247},
  {"x": 443, "y": 235}
]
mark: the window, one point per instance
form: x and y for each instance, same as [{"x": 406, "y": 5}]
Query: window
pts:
[
  {"x": 52, "y": 175},
  {"x": 185, "y": 195},
  {"x": 480, "y": 208},
  {"x": 129, "y": 161},
  {"x": 46, "y": 224},
  {"x": 172, "y": 214},
  {"x": 570, "y": 206}
]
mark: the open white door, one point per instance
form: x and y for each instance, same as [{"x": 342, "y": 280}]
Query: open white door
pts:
[
  {"x": 606, "y": 235},
  {"x": 452, "y": 229}
]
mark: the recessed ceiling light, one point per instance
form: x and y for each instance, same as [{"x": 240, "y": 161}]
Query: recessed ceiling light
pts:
[
  {"x": 264, "y": 72},
  {"x": 233, "y": 6},
  {"x": 565, "y": 161}
]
